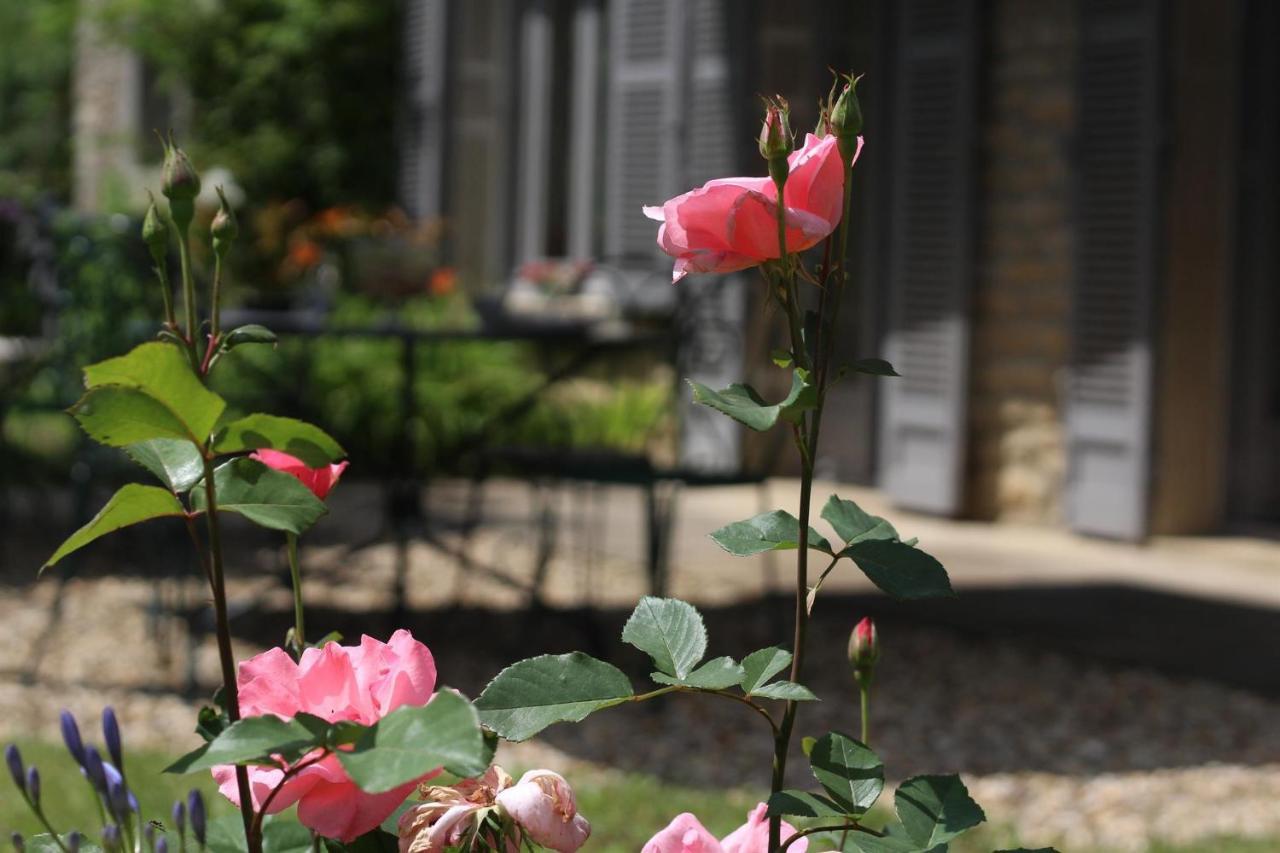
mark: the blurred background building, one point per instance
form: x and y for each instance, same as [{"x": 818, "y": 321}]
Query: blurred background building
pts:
[{"x": 1067, "y": 215}]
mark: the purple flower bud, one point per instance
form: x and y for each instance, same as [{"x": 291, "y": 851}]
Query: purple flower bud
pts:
[
  {"x": 117, "y": 795},
  {"x": 111, "y": 837},
  {"x": 149, "y": 833},
  {"x": 179, "y": 815},
  {"x": 93, "y": 769},
  {"x": 73, "y": 840},
  {"x": 71, "y": 737},
  {"x": 19, "y": 844},
  {"x": 111, "y": 733},
  {"x": 33, "y": 785},
  {"x": 195, "y": 811},
  {"x": 14, "y": 759},
  {"x": 162, "y": 845}
]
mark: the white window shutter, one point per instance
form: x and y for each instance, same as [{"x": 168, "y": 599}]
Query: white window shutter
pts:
[
  {"x": 423, "y": 131},
  {"x": 931, "y": 249},
  {"x": 1116, "y": 218}
]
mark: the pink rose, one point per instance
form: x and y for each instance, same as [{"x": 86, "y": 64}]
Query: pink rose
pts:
[
  {"x": 542, "y": 804},
  {"x": 319, "y": 480},
  {"x": 731, "y": 223},
  {"x": 686, "y": 834},
  {"x": 359, "y": 683}
]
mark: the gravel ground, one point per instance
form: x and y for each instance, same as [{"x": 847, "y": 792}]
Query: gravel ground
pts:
[{"x": 1066, "y": 750}]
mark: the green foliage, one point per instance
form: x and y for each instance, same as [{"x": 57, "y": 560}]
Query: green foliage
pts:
[
  {"x": 670, "y": 631},
  {"x": 266, "y": 497},
  {"x": 160, "y": 371},
  {"x": 851, "y": 774},
  {"x": 36, "y": 42},
  {"x": 747, "y": 407},
  {"x": 412, "y": 741},
  {"x": 47, "y": 844},
  {"x": 528, "y": 696},
  {"x": 716, "y": 674},
  {"x": 791, "y": 803},
  {"x": 901, "y": 570},
  {"x": 307, "y": 442},
  {"x": 175, "y": 462},
  {"x": 786, "y": 690},
  {"x": 252, "y": 740},
  {"x": 758, "y": 667},
  {"x": 854, "y": 524},
  {"x": 132, "y": 504},
  {"x": 770, "y": 531},
  {"x": 935, "y": 809},
  {"x": 280, "y": 834}
]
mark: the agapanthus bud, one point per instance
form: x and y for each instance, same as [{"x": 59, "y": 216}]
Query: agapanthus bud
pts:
[
  {"x": 224, "y": 228},
  {"x": 111, "y": 734},
  {"x": 19, "y": 843},
  {"x": 111, "y": 837},
  {"x": 179, "y": 815},
  {"x": 846, "y": 118},
  {"x": 13, "y": 758},
  {"x": 162, "y": 845},
  {"x": 71, "y": 737},
  {"x": 195, "y": 811},
  {"x": 33, "y": 785},
  {"x": 864, "y": 647},
  {"x": 155, "y": 232},
  {"x": 180, "y": 181},
  {"x": 118, "y": 797},
  {"x": 73, "y": 841},
  {"x": 94, "y": 769}
]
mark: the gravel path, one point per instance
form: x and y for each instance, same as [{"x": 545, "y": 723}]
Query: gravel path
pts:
[{"x": 1068, "y": 750}]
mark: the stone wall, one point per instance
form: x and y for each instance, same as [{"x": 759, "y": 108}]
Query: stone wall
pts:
[{"x": 1022, "y": 288}]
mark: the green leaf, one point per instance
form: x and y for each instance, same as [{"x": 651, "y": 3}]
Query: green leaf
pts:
[
  {"x": 252, "y": 740},
  {"x": 250, "y": 334},
  {"x": 759, "y": 667},
  {"x": 715, "y": 674},
  {"x": 1029, "y": 850},
  {"x": 747, "y": 407},
  {"x": 874, "y": 367},
  {"x": 854, "y": 524},
  {"x": 894, "y": 841},
  {"x": 770, "y": 531},
  {"x": 670, "y": 631},
  {"x": 532, "y": 694},
  {"x": 134, "y": 503},
  {"x": 162, "y": 372},
  {"x": 935, "y": 809},
  {"x": 849, "y": 771},
  {"x": 119, "y": 417},
  {"x": 414, "y": 740},
  {"x": 803, "y": 804},
  {"x": 280, "y": 834},
  {"x": 266, "y": 497},
  {"x": 900, "y": 570},
  {"x": 45, "y": 843},
  {"x": 787, "y": 690},
  {"x": 781, "y": 357},
  {"x": 175, "y": 462},
  {"x": 307, "y": 442}
]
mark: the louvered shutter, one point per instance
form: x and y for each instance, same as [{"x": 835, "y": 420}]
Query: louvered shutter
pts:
[
  {"x": 1116, "y": 217},
  {"x": 533, "y": 150},
  {"x": 712, "y": 308},
  {"x": 646, "y": 52},
  {"x": 930, "y": 263},
  {"x": 423, "y": 131},
  {"x": 586, "y": 132}
]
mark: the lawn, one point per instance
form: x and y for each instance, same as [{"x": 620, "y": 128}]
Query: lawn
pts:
[{"x": 624, "y": 809}]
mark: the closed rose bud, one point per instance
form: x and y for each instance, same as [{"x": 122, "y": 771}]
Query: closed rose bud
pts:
[
  {"x": 155, "y": 233},
  {"x": 864, "y": 646},
  {"x": 13, "y": 758},
  {"x": 775, "y": 138},
  {"x": 111, "y": 734},
  {"x": 846, "y": 118},
  {"x": 180, "y": 179},
  {"x": 71, "y": 737},
  {"x": 224, "y": 228}
]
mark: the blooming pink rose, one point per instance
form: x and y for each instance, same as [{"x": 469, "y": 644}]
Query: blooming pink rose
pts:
[
  {"x": 731, "y": 223},
  {"x": 686, "y": 834},
  {"x": 359, "y": 683},
  {"x": 319, "y": 480}
]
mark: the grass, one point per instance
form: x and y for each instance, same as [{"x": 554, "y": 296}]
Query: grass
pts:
[{"x": 624, "y": 809}]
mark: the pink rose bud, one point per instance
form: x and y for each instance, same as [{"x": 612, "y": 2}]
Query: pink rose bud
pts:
[
  {"x": 181, "y": 185},
  {"x": 864, "y": 646},
  {"x": 224, "y": 227},
  {"x": 319, "y": 480},
  {"x": 775, "y": 134}
]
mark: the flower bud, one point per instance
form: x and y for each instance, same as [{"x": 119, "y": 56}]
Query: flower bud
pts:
[
  {"x": 775, "y": 138},
  {"x": 162, "y": 845},
  {"x": 195, "y": 811},
  {"x": 110, "y": 837},
  {"x": 94, "y": 770},
  {"x": 224, "y": 228},
  {"x": 155, "y": 232},
  {"x": 14, "y": 759},
  {"x": 73, "y": 840},
  {"x": 179, "y": 815},
  {"x": 33, "y": 785},
  {"x": 864, "y": 647},
  {"x": 180, "y": 179},
  {"x": 846, "y": 118},
  {"x": 111, "y": 734},
  {"x": 71, "y": 734},
  {"x": 149, "y": 835},
  {"x": 19, "y": 843}
]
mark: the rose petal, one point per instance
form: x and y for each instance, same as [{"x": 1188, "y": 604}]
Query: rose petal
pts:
[{"x": 685, "y": 834}]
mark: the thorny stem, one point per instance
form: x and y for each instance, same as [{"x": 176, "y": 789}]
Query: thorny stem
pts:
[
  {"x": 288, "y": 774},
  {"x": 166, "y": 291},
  {"x": 188, "y": 297},
  {"x": 299, "y": 631},
  {"x": 215, "y": 297},
  {"x": 812, "y": 830}
]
